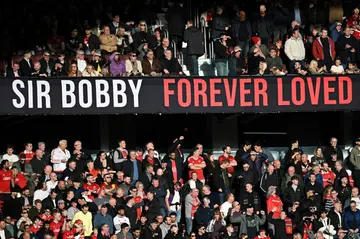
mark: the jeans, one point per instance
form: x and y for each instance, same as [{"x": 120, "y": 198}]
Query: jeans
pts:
[
  {"x": 221, "y": 67},
  {"x": 244, "y": 45},
  {"x": 163, "y": 212},
  {"x": 195, "y": 64},
  {"x": 189, "y": 224},
  {"x": 223, "y": 195},
  {"x": 178, "y": 215}
]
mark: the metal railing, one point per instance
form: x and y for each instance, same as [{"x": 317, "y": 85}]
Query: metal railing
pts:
[
  {"x": 173, "y": 45},
  {"x": 166, "y": 33}
]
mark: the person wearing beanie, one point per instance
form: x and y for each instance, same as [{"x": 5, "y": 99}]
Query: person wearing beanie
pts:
[{"x": 257, "y": 43}]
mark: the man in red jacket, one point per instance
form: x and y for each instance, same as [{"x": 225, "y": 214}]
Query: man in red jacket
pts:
[{"x": 323, "y": 49}]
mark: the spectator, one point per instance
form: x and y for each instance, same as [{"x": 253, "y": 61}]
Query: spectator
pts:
[
  {"x": 170, "y": 65},
  {"x": 90, "y": 42},
  {"x": 133, "y": 66},
  {"x": 295, "y": 50},
  {"x": 195, "y": 45},
  {"x": 263, "y": 25},
  {"x": 26, "y": 64},
  {"x": 90, "y": 72},
  {"x": 117, "y": 66},
  {"x": 242, "y": 32},
  {"x": 151, "y": 66},
  {"x": 323, "y": 49},
  {"x": 220, "y": 24},
  {"x": 221, "y": 50},
  {"x": 346, "y": 46},
  {"x": 236, "y": 63},
  {"x": 47, "y": 64},
  {"x": 108, "y": 41},
  {"x": 124, "y": 41},
  {"x": 73, "y": 43},
  {"x": 336, "y": 31},
  {"x": 337, "y": 68}
]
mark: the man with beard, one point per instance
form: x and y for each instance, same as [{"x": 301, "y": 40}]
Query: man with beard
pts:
[{"x": 227, "y": 155}]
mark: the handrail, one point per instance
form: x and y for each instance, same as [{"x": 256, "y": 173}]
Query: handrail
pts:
[
  {"x": 166, "y": 33},
  {"x": 204, "y": 30},
  {"x": 173, "y": 44}
]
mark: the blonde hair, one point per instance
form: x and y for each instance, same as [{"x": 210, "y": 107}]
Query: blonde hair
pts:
[{"x": 146, "y": 26}]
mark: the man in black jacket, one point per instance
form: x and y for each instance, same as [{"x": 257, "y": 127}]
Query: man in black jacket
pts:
[
  {"x": 26, "y": 65},
  {"x": 132, "y": 167},
  {"x": 219, "y": 24},
  {"x": 195, "y": 45},
  {"x": 47, "y": 64},
  {"x": 280, "y": 224}
]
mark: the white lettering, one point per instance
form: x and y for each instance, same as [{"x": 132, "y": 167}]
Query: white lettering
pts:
[
  {"x": 43, "y": 94},
  {"x": 65, "y": 94},
  {"x": 82, "y": 102},
  {"x": 119, "y": 92},
  {"x": 30, "y": 94},
  {"x": 135, "y": 90},
  {"x": 102, "y": 88},
  {"x": 18, "y": 103}
]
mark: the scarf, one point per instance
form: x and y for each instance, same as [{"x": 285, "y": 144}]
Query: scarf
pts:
[
  {"x": 288, "y": 226},
  {"x": 194, "y": 208}
]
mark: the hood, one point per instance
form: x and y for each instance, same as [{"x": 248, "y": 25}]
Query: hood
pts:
[{"x": 193, "y": 29}]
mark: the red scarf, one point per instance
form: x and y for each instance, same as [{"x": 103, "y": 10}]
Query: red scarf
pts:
[
  {"x": 305, "y": 236},
  {"x": 288, "y": 226},
  {"x": 194, "y": 208}
]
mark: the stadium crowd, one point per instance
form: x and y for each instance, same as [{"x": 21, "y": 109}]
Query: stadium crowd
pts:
[
  {"x": 128, "y": 194},
  {"x": 297, "y": 37}
]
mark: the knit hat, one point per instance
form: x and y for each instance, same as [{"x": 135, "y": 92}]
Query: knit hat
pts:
[
  {"x": 270, "y": 191},
  {"x": 255, "y": 39}
]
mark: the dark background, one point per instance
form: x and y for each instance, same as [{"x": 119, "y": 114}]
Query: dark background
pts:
[{"x": 310, "y": 129}]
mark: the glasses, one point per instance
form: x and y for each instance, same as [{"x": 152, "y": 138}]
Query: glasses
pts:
[{"x": 252, "y": 154}]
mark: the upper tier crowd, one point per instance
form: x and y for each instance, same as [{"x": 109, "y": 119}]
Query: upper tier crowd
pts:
[{"x": 304, "y": 37}]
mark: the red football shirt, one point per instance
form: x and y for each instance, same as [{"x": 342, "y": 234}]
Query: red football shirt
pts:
[
  {"x": 197, "y": 161},
  {"x": 28, "y": 155},
  {"x": 5, "y": 179},
  {"x": 230, "y": 158},
  {"x": 55, "y": 227},
  {"x": 20, "y": 180},
  {"x": 69, "y": 234},
  {"x": 91, "y": 187}
]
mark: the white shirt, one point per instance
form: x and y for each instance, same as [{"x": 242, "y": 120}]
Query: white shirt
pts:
[
  {"x": 11, "y": 158},
  {"x": 337, "y": 69},
  {"x": 176, "y": 199},
  {"x": 56, "y": 156},
  {"x": 40, "y": 194},
  {"x": 50, "y": 185},
  {"x": 81, "y": 64},
  {"x": 2, "y": 234},
  {"x": 120, "y": 220},
  {"x": 225, "y": 208}
]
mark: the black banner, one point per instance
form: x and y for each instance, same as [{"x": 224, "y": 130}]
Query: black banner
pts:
[{"x": 179, "y": 95}]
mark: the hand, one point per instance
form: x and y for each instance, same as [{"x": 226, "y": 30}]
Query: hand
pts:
[
  {"x": 311, "y": 5},
  {"x": 181, "y": 138},
  {"x": 146, "y": 46},
  {"x": 357, "y": 230},
  {"x": 63, "y": 160},
  {"x": 351, "y": 230},
  {"x": 220, "y": 190},
  {"x": 262, "y": 212},
  {"x": 216, "y": 206},
  {"x": 347, "y": 46},
  {"x": 153, "y": 73},
  {"x": 180, "y": 73},
  {"x": 146, "y": 208},
  {"x": 274, "y": 209},
  {"x": 226, "y": 28},
  {"x": 166, "y": 71},
  {"x": 352, "y": 50}
]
